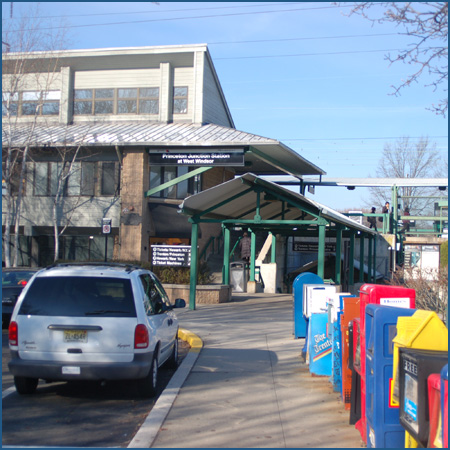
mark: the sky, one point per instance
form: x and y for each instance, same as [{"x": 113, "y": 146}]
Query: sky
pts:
[{"x": 305, "y": 73}]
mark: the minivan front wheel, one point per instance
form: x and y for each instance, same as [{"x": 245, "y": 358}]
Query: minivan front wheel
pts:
[
  {"x": 25, "y": 385},
  {"x": 147, "y": 386}
]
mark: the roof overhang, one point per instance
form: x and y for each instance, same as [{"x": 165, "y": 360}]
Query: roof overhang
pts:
[{"x": 263, "y": 156}]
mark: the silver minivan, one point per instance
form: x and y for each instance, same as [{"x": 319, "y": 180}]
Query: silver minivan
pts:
[{"x": 86, "y": 321}]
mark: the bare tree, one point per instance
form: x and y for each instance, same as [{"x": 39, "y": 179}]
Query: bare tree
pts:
[
  {"x": 406, "y": 159},
  {"x": 20, "y": 73},
  {"x": 427, "y": 23}
]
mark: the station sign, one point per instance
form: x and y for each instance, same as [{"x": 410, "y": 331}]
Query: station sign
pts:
[
  {"x": 312, "y": 247},
  {"x": 171, "y": 255},
  {"x": 197, "y": 158}
]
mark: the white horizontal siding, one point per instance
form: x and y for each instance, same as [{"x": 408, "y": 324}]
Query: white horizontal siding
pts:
[
  {"x": 33, "y": 82},
  {"x": 214, "y": 110},
  {"x": 93, "y": 79},
  {"x": 38, "y": 211}
]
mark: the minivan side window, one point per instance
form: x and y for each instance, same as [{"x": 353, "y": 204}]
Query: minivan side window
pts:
[{"x": 153, "y": 302}]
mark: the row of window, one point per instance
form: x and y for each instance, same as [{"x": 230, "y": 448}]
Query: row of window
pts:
[
  {"x": 86, "y": 178},
  {"x": 31, "y": 103},
  {"x": 93, "y": 102},
  {"x": 101, "y": 179}
]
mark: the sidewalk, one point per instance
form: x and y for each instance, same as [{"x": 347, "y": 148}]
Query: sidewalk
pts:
[{"x": 248, "y": 388}]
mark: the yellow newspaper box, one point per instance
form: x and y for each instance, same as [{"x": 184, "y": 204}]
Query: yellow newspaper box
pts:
[{"x": 423, "y": 330}]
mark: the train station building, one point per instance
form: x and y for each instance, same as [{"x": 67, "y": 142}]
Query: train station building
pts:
[{"x": 140, "y": 142}]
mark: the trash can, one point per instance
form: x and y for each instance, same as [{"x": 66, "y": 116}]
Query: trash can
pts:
[{"x": 238, "y": 277}]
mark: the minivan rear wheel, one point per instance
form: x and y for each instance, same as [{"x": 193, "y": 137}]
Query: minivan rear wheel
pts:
[
  {"x": 147, "y": 386},
  {"x": 25, "y": 385}
]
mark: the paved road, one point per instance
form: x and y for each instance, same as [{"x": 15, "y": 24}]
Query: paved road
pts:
[{"x": 74, "y": 414}]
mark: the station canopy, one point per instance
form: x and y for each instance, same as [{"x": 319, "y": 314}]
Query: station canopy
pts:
[{"x": 251, "y": 201}]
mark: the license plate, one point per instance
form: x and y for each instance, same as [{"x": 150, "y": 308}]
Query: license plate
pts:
[
  {"x": 71, "y": 370},
  {"x": 78, "y": 336}
]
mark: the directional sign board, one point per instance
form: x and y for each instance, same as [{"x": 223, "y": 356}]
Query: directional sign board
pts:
[{"x": 171, "y": 255}]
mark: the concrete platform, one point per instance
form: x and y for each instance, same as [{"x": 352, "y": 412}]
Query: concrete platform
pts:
[{"x": 248, "y": 388}]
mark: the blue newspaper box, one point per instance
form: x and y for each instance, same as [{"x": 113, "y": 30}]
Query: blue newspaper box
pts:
[
  {"x": 335, "y": 310},
  {"x": 300, "y": 322},
  {"x": 382, "y": 415},
  {"x": 319, "y": 346}
]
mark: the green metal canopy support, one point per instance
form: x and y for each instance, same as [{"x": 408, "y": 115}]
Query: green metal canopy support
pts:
[
  {"x": 252, "y": 255},
  {"x": 226, "y": 256},
  {"x": 338, "y": 264},
  {"x": 374, "y": 238},
  {"x": 369, "y": 260},
  {"x": 194, "y": 265},
  {"x": 351, "y": 268},
  {"x": 273, "y": 253},
  {"x": 321, "y": 252},
  {"x": 361, "y": 258}
]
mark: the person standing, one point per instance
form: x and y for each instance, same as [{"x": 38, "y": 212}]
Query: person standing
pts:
[
  {"x": 245, "y": 247},
  {"x": 372, "y": 220}
]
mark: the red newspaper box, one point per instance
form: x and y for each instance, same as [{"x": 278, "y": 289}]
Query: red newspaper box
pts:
[{"x": 378, "y": 294}]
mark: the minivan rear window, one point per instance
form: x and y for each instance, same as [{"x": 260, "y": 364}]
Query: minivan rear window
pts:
[{"x": 79, "y": 297}]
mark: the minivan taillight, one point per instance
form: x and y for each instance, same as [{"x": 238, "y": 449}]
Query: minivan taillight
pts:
[
  {"x": 13, "y": 333},
  {"x": 141, "y": 337}
]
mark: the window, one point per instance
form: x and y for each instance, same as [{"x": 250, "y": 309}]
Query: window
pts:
[
  {"x": 81, "y": 181},
  {"x": 116, "y": 101},
  {"x": 87, "y": 178},
  {"x": 163, "y": 174},
  {"x": 155, "y": 300},
  {"x": 31, "y": 103},
  {"x": 109, "y": 180},
  {"x": 180, "y": 100},
  {"x": 41, "y": 179},
  {"x": 10, "y": 104}
]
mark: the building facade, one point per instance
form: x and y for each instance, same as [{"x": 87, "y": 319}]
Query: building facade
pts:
[{"x": 119, "y": 137}]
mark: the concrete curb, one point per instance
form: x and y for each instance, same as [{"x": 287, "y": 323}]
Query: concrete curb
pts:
[{"x": 146, "y": 435}]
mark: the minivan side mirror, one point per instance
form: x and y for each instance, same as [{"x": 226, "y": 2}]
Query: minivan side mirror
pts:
[{"x": 179, "y": 303}]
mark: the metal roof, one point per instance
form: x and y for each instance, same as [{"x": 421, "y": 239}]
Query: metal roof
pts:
[
  {"x": 236, "y": 201},
  {"x": 265, "y": 156}
]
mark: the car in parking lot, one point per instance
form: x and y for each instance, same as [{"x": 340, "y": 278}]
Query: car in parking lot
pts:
[
  {"x": 90, "y": 321},
  {"x": 14, "y": 279}
]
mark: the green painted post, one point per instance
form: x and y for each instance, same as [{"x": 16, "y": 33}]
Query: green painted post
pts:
[
  {"x": 194, "y": 265},
  {"x": 226, "y": 256},
  {"x": 369, "y": 260},
  {"x": 321, "y": 253},
  {"x": 273, "y": 254},
  {"x": 252, "y": 255},
  {"x": 374, "y": 258},
  {"x": 338, "y": 264},
  {"x": 351, "y": 267},
  {"x": 361, "y": 258}
]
